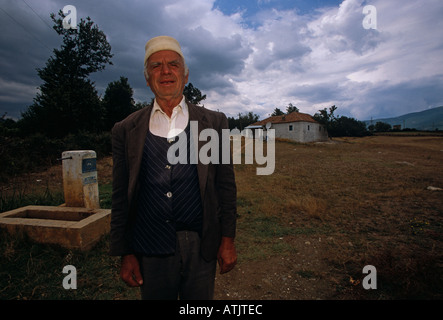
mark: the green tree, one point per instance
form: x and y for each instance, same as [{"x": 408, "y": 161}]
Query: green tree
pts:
[
  {"x": 68, "y": 101},
  {"x": 142, "y": 104},
  {"x": 8, "y": 127},
  {"x": 347, "y": 127},
  {"x": 340, "y": 126},
  {"x": 382, "y": 127},
  {"x": 277, "y": 112},
  {"x": 326, "y": 117},
  {"x": 291, "y": 108},
  {"x": 193, "y": 94},
  {"x": 117, "y": 102},
  {"x": 243, "y": 120}
]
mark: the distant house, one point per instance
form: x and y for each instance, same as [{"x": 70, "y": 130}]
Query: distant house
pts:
[{"x": 296, "y": 126}]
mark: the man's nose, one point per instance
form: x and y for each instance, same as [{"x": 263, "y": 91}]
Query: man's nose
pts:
[{"x": 165, "y": 68}]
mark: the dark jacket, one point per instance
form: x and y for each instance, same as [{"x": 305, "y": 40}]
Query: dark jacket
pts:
[{"x": 217, "y": 182}]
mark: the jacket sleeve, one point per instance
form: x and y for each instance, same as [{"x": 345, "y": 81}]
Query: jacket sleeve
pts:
[
  {"x": 119, "y": 245},
  {"x": 227, "y": 190}
]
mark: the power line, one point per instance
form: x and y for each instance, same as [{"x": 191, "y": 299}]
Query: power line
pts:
[
  {"x": 24, "y": 28},
  {"x": 38, "y": 15}
]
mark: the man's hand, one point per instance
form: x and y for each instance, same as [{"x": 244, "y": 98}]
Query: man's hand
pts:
[
  {"x": 130, "y": 271},
  {"x": 227, "y": 256}
]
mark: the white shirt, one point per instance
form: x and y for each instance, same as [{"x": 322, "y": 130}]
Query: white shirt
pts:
[{"x": 160, "y": 124}]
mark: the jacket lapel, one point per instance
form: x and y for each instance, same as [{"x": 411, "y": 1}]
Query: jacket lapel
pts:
[
  {"x": 135, "y": 143},
  {"x": 136, "y": 140},
  {"x": 195, "y": 114}
]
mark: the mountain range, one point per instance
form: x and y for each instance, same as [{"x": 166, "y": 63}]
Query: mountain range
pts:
[{"x": 430, "y": 119}]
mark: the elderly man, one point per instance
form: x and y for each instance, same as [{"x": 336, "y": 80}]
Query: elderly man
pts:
[{"x": 170, "y": 223}]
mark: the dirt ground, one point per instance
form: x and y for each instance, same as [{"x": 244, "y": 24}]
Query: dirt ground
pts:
[
  {"x": 271, "y": 279},
  {"x": 250, "y": 280},
  {"x": 380, "y": 216},
  {"x": 276, "y": 278}
]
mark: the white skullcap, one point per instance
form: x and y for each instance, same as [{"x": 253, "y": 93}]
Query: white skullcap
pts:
[{"x": 162, "y": 43}]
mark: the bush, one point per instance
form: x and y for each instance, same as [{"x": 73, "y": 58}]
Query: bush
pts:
[
  {"x": 36, "y": 152},
  {"x": 347, "y": 127}
]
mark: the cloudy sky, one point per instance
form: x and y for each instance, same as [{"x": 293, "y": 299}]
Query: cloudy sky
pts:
[{"x": 249, "y": 55}]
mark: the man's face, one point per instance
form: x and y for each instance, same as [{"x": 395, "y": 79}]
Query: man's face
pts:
[{"x": 166, "y": 73}]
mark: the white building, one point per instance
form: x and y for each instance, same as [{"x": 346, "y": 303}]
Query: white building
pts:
[{"x": 296, "y": 126}]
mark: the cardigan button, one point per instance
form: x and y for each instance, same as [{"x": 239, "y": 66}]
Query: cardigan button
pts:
[{"x": 169, "y": 194}]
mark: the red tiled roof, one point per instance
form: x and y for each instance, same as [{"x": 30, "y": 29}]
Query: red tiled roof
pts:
[{"x": 292, "y": 117}]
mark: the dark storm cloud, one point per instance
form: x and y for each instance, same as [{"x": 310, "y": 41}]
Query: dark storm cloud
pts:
[
  {"x": 405, "y": 97},
  {"x": 211, "y": 59},
  {"x": 128, "y": 25},
  {"x": 318, "y": 92},
  {"x": 273, "y": 56}
]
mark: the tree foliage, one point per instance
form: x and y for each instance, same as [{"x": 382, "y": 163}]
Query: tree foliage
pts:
[
  {"x": 291, "y": 108},
  {"x": 347, "y": 127},
  {"x": 243, "y": 120},
  {"x": 325, "y": 116},
  {"x": 277, "y": 112},
  {"x": 67, "y": 100},
  {"x": 340, "y": 126},
  {"x": 193, "y": 94},
  {"x": 117, "y": 102},
  {"x": 382, "y": 126}
]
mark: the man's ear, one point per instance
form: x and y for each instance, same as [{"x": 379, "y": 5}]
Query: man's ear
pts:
[{"x": 147, "y": 82}]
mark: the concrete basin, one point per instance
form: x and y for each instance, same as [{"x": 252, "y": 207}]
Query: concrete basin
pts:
[{"x": 69, "y": 227}]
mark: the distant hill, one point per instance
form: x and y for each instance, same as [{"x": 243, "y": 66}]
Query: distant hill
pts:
[{"x": 430, "y": 119}]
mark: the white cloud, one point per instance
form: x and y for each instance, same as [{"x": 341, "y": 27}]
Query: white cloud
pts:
[
  {"x": 278, "y": 57},
  {"x": 334, "y": 60}
]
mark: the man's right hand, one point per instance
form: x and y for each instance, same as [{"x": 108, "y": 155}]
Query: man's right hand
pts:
[{"x": 130, "y": 271}]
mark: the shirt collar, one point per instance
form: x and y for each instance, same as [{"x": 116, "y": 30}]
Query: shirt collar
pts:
[{"x": 181, "y": 106}]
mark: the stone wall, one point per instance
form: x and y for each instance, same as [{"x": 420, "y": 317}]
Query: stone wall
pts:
[{"x": 300, "y": 131}]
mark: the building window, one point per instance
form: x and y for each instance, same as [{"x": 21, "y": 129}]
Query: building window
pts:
[
  {"x": 291, "y": 127},
  {"x": 308, "y": 127}
]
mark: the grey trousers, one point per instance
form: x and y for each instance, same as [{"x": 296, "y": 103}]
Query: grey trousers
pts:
[{"x": 184, "y": 275}]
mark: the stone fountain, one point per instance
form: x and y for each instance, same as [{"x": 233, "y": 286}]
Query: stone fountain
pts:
[{"x": 79, "y": 223}]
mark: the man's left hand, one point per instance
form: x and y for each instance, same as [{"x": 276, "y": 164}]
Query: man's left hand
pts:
[{"x": 227, "y": 256}]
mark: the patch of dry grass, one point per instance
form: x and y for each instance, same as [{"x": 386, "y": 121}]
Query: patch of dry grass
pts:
[
  {"x": 366, "y": 199},
  {"x": 313, "y": 207},
  {"x": 369, "y": 195}
]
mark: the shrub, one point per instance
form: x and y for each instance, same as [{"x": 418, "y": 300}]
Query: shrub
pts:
[{"x": 35, "y": 152}]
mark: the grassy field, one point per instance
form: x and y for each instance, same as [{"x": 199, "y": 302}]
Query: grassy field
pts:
[
  {"x": 304, "y": 232},
  {"x": 354, "y": 202}
]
